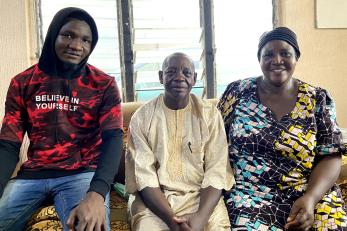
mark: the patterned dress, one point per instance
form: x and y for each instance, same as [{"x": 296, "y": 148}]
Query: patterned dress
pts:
[{"x": 272, "y": 159}]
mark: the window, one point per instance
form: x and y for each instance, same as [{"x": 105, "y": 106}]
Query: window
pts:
[
  {"x": 161, "y": 27},
  {"x": 238, "y": 26}
]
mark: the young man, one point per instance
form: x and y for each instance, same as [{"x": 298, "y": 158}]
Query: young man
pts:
[
  {"x": 72, "y": 114},
  {"x": 177, "y": 158}
]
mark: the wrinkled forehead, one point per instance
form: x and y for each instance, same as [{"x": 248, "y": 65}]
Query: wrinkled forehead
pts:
[{"x": 178, "y": 61}]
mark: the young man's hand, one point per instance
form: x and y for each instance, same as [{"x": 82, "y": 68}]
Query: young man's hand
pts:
[{"x": 89, "y": 215}]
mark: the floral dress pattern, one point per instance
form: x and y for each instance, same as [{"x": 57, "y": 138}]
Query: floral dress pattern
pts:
[{"x": 272, "y": 160}]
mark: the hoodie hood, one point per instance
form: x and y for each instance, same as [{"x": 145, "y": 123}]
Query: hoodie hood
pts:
[{"x": 49, "y": 61}]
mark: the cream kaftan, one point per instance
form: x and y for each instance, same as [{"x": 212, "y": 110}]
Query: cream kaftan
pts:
[{"x": 179, "y": 151}]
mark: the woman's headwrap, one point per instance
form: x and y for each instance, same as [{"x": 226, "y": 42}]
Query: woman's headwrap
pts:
[
  {"x": 279, "y": 33},
  {"x": 49, "y": 61}
]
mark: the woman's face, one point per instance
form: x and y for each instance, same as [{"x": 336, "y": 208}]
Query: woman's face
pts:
[{"x": 277, "y": 62}]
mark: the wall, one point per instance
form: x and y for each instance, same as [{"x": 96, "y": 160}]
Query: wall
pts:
[
  {"x": 13, "y": 45},
  {"x": 16, "y": 46},
  {"x": 324, "y": 52}
]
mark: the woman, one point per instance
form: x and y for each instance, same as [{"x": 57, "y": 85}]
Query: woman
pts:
[{"x": 284, "y": 144}]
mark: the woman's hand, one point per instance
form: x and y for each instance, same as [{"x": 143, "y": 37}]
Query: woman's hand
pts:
[{"x": 301, "y": 216}]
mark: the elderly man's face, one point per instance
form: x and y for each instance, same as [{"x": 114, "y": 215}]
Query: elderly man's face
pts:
[
  {"x": 178, "y": 77},
  {"x": 74, "y": 41}
]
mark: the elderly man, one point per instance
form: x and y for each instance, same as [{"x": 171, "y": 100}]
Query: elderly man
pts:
[{"x": 177, "y": 161}]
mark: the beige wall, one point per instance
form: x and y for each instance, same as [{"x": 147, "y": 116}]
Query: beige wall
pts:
[
  {"x": 16, "y": 46},
  {"x": 323, "y": 61},
  {"x": 18, "y": 43},
  {"x": 324, "y": 52},
  {"x": 13, "y": 45}
]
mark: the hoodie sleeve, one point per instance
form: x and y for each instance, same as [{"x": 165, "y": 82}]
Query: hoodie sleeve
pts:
[
  {"x": 15, "y": 119},
  {"x": 110, "y": 113},
  {"x": 12, "y": 132},
  {"x": 9, "y": 157},
  {"x": 111, "y": 150},
  {"x": 111, "y": 122}
]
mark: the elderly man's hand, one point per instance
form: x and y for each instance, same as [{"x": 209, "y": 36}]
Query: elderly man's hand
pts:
[
  {"x": 192, "y": 221},
  {"x": 89, "y": 215}
]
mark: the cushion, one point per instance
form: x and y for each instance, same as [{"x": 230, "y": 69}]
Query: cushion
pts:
[{"x": 46, "y": 218}]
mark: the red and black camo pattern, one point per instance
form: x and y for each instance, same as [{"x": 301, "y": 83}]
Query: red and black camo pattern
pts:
[{"x": 63, "y": 117}]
